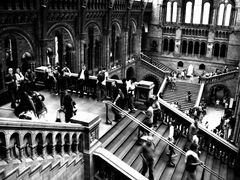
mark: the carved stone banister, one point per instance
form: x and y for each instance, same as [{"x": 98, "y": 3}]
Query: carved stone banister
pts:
[
  {"x": 220, "y": 77},
  {"x": 147, "y": 62},
  {"x": 210, "y": 141},
  {"x": 114, "y": 165}
]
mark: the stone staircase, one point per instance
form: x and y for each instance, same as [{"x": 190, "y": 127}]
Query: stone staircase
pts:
[
  {"x": 180, "y": 94},
  {"x": 121, "y": 140},
  {"x": 66, "y": 167}
]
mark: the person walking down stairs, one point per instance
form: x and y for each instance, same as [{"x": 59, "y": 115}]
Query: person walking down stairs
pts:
[{"x": 147, "y": 153}]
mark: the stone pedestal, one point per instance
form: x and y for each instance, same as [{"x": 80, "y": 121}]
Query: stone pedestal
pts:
[
  {"x": 144, "y": 90},
  {"x": 90, "y": 141}
]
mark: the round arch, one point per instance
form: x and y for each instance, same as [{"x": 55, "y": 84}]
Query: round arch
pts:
[
  {"x": 130, "y": 73},
  {"x": 115, "y": 76},
  {"x": 218, "y": 91}
]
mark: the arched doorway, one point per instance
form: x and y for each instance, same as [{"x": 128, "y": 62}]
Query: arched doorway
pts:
[
  {"x": 220, "y": 92},
  {"x": 115, "y": 77},
  {"x": 153, "y": 79},
  {"x": 130, "y": 73}
]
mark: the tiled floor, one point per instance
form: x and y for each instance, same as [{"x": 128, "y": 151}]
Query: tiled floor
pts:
[{"x": 52, "y": 103}]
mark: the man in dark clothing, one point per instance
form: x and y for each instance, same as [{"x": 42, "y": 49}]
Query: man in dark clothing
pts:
[
  {"x": 125, "y": 93},
  {"x": 147, "y": 154},
  {"x": 116, "y": 100},
  {"x": 10, "y": 80},
  {"x": 83, "y": 77},
  {"x": 30, "y": 80},
  {"x": 68, "y": 104}
]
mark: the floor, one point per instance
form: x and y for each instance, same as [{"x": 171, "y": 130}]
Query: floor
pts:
[
  {"x": 213, "y": 117},
  {"x": 52, "y": 103},
  {"x": 85, "y": 104}
]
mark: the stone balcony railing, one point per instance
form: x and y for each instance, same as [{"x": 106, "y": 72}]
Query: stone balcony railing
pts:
[
  {"x": 209, "y": 141},
  {"x": 220, "y": 77}
]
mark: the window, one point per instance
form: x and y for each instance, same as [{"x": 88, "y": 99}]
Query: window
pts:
[
  {"x": 224, "y": 14},
  {"x": 171, "y": 14},
  {"x": 169, "y": 9},
  {"x": 188, "y": 12},
  {"x": 206, "y": 12},
  {"x": 228, "y": 15},
  {"x": 197, "y": 12},
  {"x": 174, "y": 12}
]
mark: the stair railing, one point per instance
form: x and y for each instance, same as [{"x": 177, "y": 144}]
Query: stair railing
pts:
[
  {"x": 159, "y": 136},
  {"x": 148, "y": 62},
  {"x": 220, "y": 77}
]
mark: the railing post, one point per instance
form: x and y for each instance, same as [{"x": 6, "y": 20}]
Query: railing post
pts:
[
  {"x": 91, "y": 135},
  {"x": 108, "y": 121}
]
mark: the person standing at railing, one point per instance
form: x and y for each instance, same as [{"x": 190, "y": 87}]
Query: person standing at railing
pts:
[
  {"x": 193, "y": 130},
  {"x": 10, "y": 81},
  {"x": 147, "y": 153},
  {"x": 131, "y": 94},
  {"x": 117, "y": 96},
  {"x": 156, "y": 110},
  {"x": 83, "y": 77},
  {"x": 192, "y": 161}
]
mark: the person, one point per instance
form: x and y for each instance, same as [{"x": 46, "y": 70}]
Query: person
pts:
[
  {"x": 191, "y": 162},
  {"x": 189, "y": 96},
  {"x": 123, "y": 88},
  {"x": 68, "y": 106},
  {"x": 66, "y": 73},
  {"x": 57, "y": 73},
  {"x": 148, "y": 121},
  {"x": 30, "y": 80},
  {"x": 116, "y": 100},
  {"x": 50, "y": 80},
  {"x": 156, "y": 110},
  {"x": 10, "y": 80},
  {"x": 40, "y": 107},
  {"x": 193, "y": 130},
  {"x": 147, "y": 153},
  {"x": 131, "y": 94},
  {"x": 83, "y": 77},
  {"x": 101, "y": 84},
  {"x": 19, "y": 82}
]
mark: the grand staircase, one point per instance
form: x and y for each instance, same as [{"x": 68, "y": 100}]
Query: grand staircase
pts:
[
  {"x": 180, "y": 94},
  {"x": 122, "y": 141}
]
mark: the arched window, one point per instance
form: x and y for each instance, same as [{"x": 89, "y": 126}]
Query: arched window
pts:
[
  {"x": 223, "y": 51},
  {"x": 180, "y": 64},
  {"x": 196, "y": 48},
  {"x": 171, "y": 45},
  {"x": 216, "y": 50},
  {"x": 169, "y": 10},
  {"x": 227, "y": 15},
  {"x": 197, "y": 12},
  {"x": 190, "y": 47},
  {"x": 206, "y": 11},
  {"x": 184, "y": 47},
  {"x": 220, "y": 15},
  {"x": 174, "y": 12},
  {"x": 165, "y": 45},
  {"x": 202, "y": 67},
  {"x": 188, "y": 12}
]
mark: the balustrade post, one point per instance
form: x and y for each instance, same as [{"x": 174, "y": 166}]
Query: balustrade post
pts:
[
  {"x": 90, "y": 139},
  {"x": 8, "y": 154}
]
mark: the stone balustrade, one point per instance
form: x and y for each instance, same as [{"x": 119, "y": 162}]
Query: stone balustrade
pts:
[
  {"x": 209, "y": 141},
  {"x": 22, "y": 139},
  {"x": 220, "y": 77}
]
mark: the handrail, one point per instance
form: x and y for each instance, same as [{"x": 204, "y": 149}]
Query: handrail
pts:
[
  {"x": 117, "y": 163},
  {"x": 163, "y": 85},
  {"x": 150, "y": 64},
  {"x": 160, "y": 137},
  {"x": 222, "y": 76},
  {"x": 200, "y": 92}
]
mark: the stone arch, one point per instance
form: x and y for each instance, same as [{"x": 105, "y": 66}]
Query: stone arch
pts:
[
  {"x": 218, "y": 91},
  {"x": 74, "y": 143},
  {"x": 115, "y": 76},
  {"x": 15, "y": 144},
  {"x": 49, "y": 142},
  {"x": 80, "y": 143},
  {"x": 115, "y": 47},
  {"x": 92, "y": 48},
  {"x": 66, "y": 145},
  {"x": 58, "y": 146},
  {"x": 27, "y": 142},
  {"x": 202, "y": 66},
  {"x": 155, "y": 80},
  {"x": 39, "y": 142},
  {"x": 180, "y": 64},
  {"x": 130, "y": 73}
]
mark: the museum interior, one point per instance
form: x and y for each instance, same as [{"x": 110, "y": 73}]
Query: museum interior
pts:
[{"x": 78, "y": 79}]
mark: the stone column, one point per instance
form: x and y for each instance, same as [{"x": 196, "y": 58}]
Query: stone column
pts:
[
  {"x": 124, "y": 47},
  {"x": 90, "y": 122}
]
